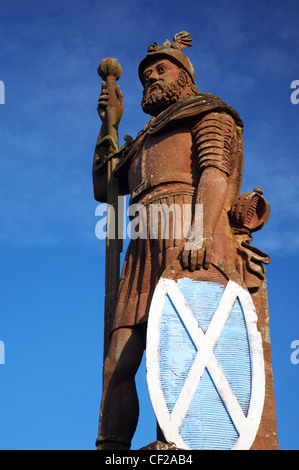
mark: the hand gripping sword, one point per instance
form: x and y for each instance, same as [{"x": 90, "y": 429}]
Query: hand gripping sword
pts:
[{"x": 110, "y": 71}]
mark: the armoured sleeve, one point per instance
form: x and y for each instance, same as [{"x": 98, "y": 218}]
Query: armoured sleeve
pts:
[{"x": 213, "y": 136}]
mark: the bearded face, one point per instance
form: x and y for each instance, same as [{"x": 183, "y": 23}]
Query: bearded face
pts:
[
  {"x": 160, "y": 95},
  {"x": 164, "y": 84}
]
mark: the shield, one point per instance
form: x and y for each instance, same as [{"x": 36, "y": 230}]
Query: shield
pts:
[{"x": 204, "y": 359}]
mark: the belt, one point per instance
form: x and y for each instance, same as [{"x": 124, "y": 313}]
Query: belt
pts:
[{"x": 152, "y": 181}]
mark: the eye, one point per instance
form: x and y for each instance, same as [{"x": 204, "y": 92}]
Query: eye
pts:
[
  {"x": 147, "y": 76},
  {"x": 161, "y": 69}
]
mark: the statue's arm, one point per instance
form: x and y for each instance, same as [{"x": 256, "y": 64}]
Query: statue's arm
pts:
[
  {"x": 213, "y": 135},
  {"x": 99, "y": 169},
  {"x": 99, "y": 175},
  {"x": 211, "y": 193}
]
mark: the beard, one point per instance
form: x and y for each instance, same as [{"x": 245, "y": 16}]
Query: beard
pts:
[{"x": 161, "y": 95}]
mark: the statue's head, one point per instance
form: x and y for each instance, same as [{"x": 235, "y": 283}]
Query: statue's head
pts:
[{"x": 166, "y": 74}]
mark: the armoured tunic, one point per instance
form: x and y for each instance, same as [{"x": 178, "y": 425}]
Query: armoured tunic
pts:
[{"x": 163, "y": 167}]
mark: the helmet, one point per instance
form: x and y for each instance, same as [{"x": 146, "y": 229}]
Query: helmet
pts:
[{"x": 171, "y": 51}]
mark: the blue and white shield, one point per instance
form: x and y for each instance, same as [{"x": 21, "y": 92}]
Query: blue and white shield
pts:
[{"x": 204, "y": 360}]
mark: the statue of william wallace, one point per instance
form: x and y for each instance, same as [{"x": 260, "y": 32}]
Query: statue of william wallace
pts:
[{"x": 190, "y": 154}]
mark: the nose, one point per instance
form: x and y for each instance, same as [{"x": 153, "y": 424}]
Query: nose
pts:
[{"x": 152, "y": 77}]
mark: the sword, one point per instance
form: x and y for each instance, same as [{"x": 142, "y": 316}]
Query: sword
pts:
[{"x": 110, "y": 71}]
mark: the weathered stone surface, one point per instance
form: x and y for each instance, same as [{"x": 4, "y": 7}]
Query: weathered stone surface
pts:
[
  {"x": 190, "y": 153},
  {"x": 158, "y": 445}
]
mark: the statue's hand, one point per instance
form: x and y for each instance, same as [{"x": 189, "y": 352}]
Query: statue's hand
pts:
[
  {"x": 193, "y": 258},
  {"x": 112, "y": 99}
]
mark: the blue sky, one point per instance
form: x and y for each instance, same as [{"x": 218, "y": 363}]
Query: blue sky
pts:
[{"x": 52, "y": 265}]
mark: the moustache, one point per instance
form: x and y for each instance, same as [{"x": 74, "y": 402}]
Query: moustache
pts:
[
  {"x": 154, "y": 87},
  {"x": 157, "y": 85}
]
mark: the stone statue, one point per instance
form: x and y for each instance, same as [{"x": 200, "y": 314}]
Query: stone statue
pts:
[{"x": 189, "y": 153}]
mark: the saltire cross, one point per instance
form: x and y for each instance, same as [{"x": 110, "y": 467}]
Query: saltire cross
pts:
[{"x": 246, "y": 425}]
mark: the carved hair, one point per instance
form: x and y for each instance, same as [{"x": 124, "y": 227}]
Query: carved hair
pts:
[
  {"x": 183, "y": 75},
  {"x": 155, "y": 102}
]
